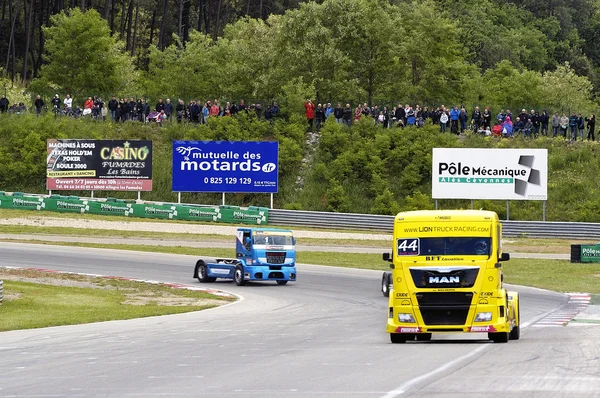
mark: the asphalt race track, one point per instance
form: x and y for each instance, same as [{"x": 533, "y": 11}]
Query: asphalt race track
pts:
[{"x": 323, "y": 336}]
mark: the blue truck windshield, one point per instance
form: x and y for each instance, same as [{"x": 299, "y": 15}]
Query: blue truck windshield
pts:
[
  {"x": 277, "y": 240},
  {"x": 455, "y": 246}
]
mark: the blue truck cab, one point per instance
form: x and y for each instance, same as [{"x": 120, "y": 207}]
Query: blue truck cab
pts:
[{"x": 261, "y": 254}]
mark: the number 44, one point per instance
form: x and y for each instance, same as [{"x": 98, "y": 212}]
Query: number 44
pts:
[{"x": 411, "y": 245}]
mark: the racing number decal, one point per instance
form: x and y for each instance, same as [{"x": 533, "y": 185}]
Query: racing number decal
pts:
[{"x": 408, "y": 247}]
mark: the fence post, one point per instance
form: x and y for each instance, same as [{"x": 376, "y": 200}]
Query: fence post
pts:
[{"x": 1, "y": 291}]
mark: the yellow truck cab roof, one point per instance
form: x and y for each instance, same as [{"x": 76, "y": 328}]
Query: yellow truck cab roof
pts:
[{"x": 445, "y": 215}]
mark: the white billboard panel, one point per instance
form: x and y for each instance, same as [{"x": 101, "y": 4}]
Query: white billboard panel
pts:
[{"x": 482, "y": 173}]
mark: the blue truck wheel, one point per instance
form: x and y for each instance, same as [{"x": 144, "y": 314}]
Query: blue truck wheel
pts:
[
  {"x": 202, "y": 272},
  {"x": 238, "y": 275}
]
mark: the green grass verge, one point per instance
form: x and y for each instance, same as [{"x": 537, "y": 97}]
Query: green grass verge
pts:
[
  {"x": 557, "y": 275},
  {"x": 30, "y": 305}
]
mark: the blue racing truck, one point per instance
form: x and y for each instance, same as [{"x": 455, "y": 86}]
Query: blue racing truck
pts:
[{"x": 261, "y": 254}]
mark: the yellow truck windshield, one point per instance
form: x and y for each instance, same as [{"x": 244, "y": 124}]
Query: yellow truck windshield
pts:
[{"x": 447, "y": 246}]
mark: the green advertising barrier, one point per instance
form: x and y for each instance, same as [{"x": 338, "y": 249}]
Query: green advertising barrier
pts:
[
  {"x": 590, "y": 253},
  {"x": 119, "y": 207}
]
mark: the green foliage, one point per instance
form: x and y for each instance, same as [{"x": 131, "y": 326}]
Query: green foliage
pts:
[{"x": 83, "y": 58}]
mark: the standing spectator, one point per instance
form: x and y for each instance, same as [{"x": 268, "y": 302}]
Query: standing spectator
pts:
[
  {"x": 454, "y": 114},
  {"x": 146, "y": 109},
  {"x": 319, "y": 116},
  {"x": 112, "y": 107},
  {"x": 462, "y": 118},
  {"x": 214, "y": 109},
  {"x": 500, "y": 117},
  {"x": 180, "y": 110},
  {"x": 591, "y": 125},
  {"x": 160, "y": 105},
  {"x": 124, "y": 107},
  {"x": 476, "y": 118},
  {"x": 401, "y": 114},
  {"x": 425, "y": 113},
  {"x": 55, "y": 104},
  {"x": 564, "y": 123},
  {"x": 523, "y": 115},
  {"x": 544, "y": 119},
  {"x": 206, "y": 111},
  {"x": 169, "y": 109},
  {"x": 338, "y": 113},
  {"x": 268, "y": 114},
  {"x": 347, "y": 115},
  {"x": 242, "y": 106},
  {"x": 4, "y": 102},
  {"x": 39, "y": 104},
  {"x": 328, "y": 111},
  {"x": 509, "y": 114},
  {"x": 535, "y": 119},
  {"x": 555, "y": 124},
  {"x": 443, "y": 121},
  {"x": 487, "y": 117},
  {"x": 259, "y": 110},
  {"x": 68, "y": 101},
  {"x": 580, "y": 125},
  {"x": 139, "y": 110},
  {"x": 357, "y": 113},
  {"x": 195, "y": 112},
  {"x": 386, "y": 117},
  {"x": 275, "y": 110},
  {"x": 309, "y": 108},
  {"x": 573, "y": 126},
  {"x": 131, "y": 108}
]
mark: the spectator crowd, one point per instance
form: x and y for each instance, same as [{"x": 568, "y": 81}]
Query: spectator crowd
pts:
[
  {"x": 456, "y": 120},
  {"x": 140, "y": 110}
]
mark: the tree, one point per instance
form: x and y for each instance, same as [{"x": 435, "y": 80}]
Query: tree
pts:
[
  {"x": 563, "y": 89},
  {"x": 83, "y": 58}
]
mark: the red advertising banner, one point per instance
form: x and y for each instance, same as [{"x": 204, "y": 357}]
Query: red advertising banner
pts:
[{"x": 99, "y": 165}]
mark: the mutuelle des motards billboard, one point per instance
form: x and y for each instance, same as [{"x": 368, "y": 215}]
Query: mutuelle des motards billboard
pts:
[
  {"x": 225, "y": 166},
  {"x": 481, "y": 173},
  {"x": 99, "y": 165}
]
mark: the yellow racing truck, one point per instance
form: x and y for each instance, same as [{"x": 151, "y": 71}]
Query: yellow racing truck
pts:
[{"x": 447, "y": 277}]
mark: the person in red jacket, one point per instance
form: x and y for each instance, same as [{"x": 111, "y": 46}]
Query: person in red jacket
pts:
[{"x": 310, "y": 113}]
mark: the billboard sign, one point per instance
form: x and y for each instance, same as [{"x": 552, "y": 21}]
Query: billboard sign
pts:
[
  {"x": 483, "y": 173},
  {"x": 225, "y": 166},
  {"x": 99, "y": 165}
]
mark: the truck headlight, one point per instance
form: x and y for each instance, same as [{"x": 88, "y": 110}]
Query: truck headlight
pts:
[
  {"x": 249, "y": 261},
  {"x": 483, "y": 317},
  {"x": 406, "y": 318}
]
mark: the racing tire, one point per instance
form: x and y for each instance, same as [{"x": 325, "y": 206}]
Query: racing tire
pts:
[
  {"x": 399, "y": 338},
  {"x": 385, "y": 285},
  {"x": 202, "y": 272},
  {"x": 282, "y": 282},
  {"x": 238, "y": 275},
  {"x": 424, "y": 337},
  {"x": 501, "y": 337},
  {"x": 515, "y": 333}
]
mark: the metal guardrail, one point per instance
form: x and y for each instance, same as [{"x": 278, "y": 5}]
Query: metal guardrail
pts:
[
  {"x": 384, "y": 224},
  {"x": 371, "y": 222}
]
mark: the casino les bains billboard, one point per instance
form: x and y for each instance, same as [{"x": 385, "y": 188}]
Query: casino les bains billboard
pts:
[
  {"x": 483, "y": 173},
  {"x": 225, "y": 166}
]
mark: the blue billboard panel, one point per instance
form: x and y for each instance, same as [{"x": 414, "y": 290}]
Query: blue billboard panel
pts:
[{"x": 225, "y": 166}]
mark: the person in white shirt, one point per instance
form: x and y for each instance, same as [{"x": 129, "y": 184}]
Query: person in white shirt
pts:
[{"x": 68, "y": 102}]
